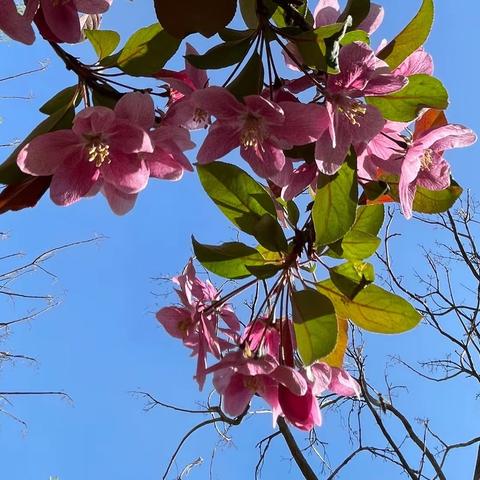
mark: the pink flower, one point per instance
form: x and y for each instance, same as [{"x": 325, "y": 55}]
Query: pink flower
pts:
[
  {"x": 352, "y": 121},
  {"x": 59, "y": 21},
  {"x": 16, "y": 26},
  {"x": 327, "y": 12},
  {"x": 424, "y": 164},
  {"x": 100, "y": 148},
  {"x": 337, "y": 380},
  {"x": 302, "y": 411},
  {"x": 262, "y": 129},
  {"x": 183, "y": 110},
  {"x": 197, "y": 325},
  {"x": 238, "y": 377}
]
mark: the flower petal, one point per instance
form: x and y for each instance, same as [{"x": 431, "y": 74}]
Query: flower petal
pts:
[
  {"x": 219, "y": 102},
  {"x": 45, "y": 153},
  {"x": 62, "y": 19},
  {"x": 221, "y": 139},
  {"x": 73, "y": 180},
  {"x": 137, "y": 108},
  {"x": 128, "y": 173},
  {"x": 374, "y": 19}
]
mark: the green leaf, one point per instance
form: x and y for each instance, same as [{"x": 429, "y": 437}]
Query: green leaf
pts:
[
  {"x": 355, "y": 36},
  {"x": 229, "y": 260},
  {"x": 182, "y": 17},
  {"x": 429, "y": 201},
  {"x": 358, "y": 10},
  {"x": 355, "y": 245},
  {"x": 351, "y": 277},
  {"x": 103, "y": 41},
  {"x": 222, "y": 55},
  {"x": 147, "y": 51},
  {"x": 312, "y": 46},
  {"x": 242, "y": 200},
  {"x": 373, "y": 308},
  {"x": 269, "y": 234},
  {"x": 315, "y": 324},
  {"x": 63, "y": 118},
  {"x": 410, "y": 38},
  {"x": 369, "y": 218},
  {"x": 422, "y": 91},
  {"x": 60, "y": 100},
  {"x": 248, "y": 9},
  {"x": 250, "y": 79},
  {"x": 231, "y": 35},
  {"x": 335, "y": 204}
]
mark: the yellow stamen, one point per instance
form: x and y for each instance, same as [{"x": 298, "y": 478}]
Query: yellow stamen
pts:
[
  {"x": 426, "y": 160},
  {"x": 99, "y": 153},
  {"x": 251, "y": 134},
  {"x": 353, "y": 111},
  {"x": 200, "y": 116}
]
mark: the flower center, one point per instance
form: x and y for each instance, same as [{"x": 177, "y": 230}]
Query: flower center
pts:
[
  {"x": 251, "y": 134},
  {"x": 200, "y": 116},
  {"x": 353, "y": 110},
  {"x": 427, "y": 159},
  {"x": 184, "y": 325},
  {"x": 98, "y": 153},
  {"x": 252, "y": 383}
]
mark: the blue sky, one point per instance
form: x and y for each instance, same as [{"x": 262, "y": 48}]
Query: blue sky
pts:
[{"x": 102, "y": 342}]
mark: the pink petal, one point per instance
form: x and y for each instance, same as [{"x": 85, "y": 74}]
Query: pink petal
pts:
[
  {"x": 343, "y": 384},
  {"x": 73, "y": 180},
  {"x": 236, "y": 397},
  {"x": 221, "y": 139},
  {"x": 93, "y": 6},
  {"x": 301, "y": 178},
  {"x": 322, "y": 376},
  {"x": 16, "y": 26},
  {"x": 418, "y": 62},
  {"x": 93, "y": 121},
  {"x": 137, "y": 108},
  {"x": 173, "y": 320},
  {"x": 162, "y": 165},
  {"x": 266, "y": 159},
  {"x": 128, "y": 173},
  {"x": 384, "y": 84},
  {"x": 326, "y": 12},
  {"x": 120, "y": 203},
  {"x": 269, "y": 111},
  {"x": 290, "y": 378},
  {"x": 219, "y": 102},
  {"x": 198, "y": 76},
  {"x": 437, "y": 176},
  {"x": 447, "y": 137},
  {"x": 45, "y": 153},
  {"x": 374, "y": 19},
  {"x": 128, "y": 138},
  {"x": 62, "y": 19},
  {"x": 303, "y": 123}
]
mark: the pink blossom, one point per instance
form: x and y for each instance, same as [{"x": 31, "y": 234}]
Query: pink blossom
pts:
[
  {"x": 327, "y": 12},
  {"x": 183, "y": 110},
  {"x": 59, "y": 21},
  {"x": 238, "y": 377},
  {"x": 262, "y": 129},
  {"x": 302, "y": 411},
  {"x": 15, "y": 25},
  {"x": 195, "y": 323},
  {"x": 101, "y": 147},
  {"x": 352, "y": 121},
  {"x": 424, "y": 164}
]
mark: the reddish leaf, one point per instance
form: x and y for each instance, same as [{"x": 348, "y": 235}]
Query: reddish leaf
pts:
[
  {"x": 24, "y": 194},
  {"x": 430, "y": 119},
  {"x": 182, "y": 17}
]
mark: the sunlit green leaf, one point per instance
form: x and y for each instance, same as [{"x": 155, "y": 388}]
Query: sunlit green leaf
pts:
[
  {"x": 422, "y": 91},
  {"x": 411, "y": 37},
  {"x": 103, "y": 41},
  {"x": 315, "y": 324}
]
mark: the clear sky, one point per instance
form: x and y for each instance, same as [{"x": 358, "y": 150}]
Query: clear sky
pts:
[{"x": 102, "y": 342}]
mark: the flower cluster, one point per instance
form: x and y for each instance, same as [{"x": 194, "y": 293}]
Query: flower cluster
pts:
[
  {"x": 258, "y": 361},
  {"x": 113, "y": 151},
  {"x": 57, "y": 21}
]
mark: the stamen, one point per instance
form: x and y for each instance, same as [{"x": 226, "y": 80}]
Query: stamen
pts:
[
  {"x": 427, "y": 159},
  {"x": 99, "y": 153},
  {"x": 200, "y": 116},
  {"x": 352, "y": 111},
  {"x": 251, "y": 134}
]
